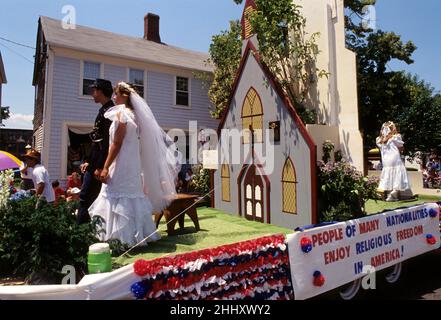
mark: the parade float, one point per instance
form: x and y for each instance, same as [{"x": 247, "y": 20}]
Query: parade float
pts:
[
  {"x": 312, "y": 260},
  {"x": 309, "y": 262}
]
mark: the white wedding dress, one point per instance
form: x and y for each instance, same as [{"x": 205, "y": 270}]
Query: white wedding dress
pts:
[
  {"x": 394, "y": 174},
  {"x": 126, "y": 210}
]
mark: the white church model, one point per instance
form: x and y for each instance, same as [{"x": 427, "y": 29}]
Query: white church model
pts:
[{"x": 284, "y": 192}]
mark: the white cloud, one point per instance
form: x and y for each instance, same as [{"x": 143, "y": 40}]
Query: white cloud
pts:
[{"x": 19, "y": 121}]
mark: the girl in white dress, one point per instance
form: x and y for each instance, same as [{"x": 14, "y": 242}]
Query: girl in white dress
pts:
[
  {"x": 138, "y": 149},
  {"x": 394, "y": 175}
]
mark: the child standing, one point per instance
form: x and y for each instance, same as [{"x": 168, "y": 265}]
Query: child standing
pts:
[{"x": 394, "y": 175}]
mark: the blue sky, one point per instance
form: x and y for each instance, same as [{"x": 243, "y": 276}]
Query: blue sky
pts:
[{"x": 188, "y": 24}]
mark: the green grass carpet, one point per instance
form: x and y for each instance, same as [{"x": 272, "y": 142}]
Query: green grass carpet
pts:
[
  {"x": 373, "y": 206},
  {"x": 217, "y": 228}
]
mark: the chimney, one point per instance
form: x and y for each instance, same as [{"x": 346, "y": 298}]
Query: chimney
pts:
[{"x": 151, "y": 28}]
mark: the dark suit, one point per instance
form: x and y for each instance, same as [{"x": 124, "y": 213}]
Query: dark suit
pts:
[{"x": 100, "y": 147}]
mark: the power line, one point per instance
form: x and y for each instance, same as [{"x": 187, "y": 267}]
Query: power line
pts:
[
  {"x": 17, "y": 53},
  {"x": 18, "y": 44}
]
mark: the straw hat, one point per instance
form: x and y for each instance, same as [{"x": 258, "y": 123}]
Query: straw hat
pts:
[{"x": 32, "y": 154}]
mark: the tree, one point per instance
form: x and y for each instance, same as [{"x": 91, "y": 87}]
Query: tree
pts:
[
  {"x": 225, "y": 53},
  {"x": 378, "y": 88},
  {"x": 418, "y": 115},
  {"x": 383, "y": 94},
  {"x": 283, "y": 45},
  {"x": 288, "y": 50},
  {"x": 4, "y": 115},
  {"x": 390, "y": 95}
]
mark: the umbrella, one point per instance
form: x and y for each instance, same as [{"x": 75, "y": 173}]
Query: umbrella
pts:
[{"x": 8, "y": 161}]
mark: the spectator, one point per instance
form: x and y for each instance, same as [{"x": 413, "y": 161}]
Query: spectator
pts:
[
  {"x": 74, "y": 181},
  {"x": 433, "y": 163},
  {"x": 437, "y": 164},
  {"x": 26, "y": 177},
  {"x": 40, "y": 176},
  {"x": 73, "y": 187},
  {"x": 431, "y": 178},
  {"x": 73, "y": 195},
  {"x": 425, "y": 173},
  {"x": 187, "y": 179},
  {"x": 26, "y": 174},
  {"x": 378, "y": 166},
  {"x": 59, "y": 192}
]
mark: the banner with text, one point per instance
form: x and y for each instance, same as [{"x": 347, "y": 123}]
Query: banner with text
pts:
[{"x": 327, "y": 257}]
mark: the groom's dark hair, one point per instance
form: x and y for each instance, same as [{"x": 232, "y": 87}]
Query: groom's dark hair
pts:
[
  {"x": 107, "y": 92},
  {"x": 105, "y": 86}
]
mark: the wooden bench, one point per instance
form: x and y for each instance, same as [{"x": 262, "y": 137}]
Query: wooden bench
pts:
[{"x": 182, "y": 204}]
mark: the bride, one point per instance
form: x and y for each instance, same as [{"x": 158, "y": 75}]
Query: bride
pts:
[{"x": 139, "y": 173}]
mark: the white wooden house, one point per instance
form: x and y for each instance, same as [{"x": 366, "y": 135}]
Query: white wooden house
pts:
[
  {"x": 3, "y": 79},
  {"x": 68, "y": 60}
]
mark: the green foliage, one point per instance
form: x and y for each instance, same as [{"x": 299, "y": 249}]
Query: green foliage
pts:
[
  {"x": 200, "y": 182},
  {"x": 117, "y": 247},
  {"x": 341, "y": 212},
  {"x": 386, "y": 95},
  {"x": 286, "y": 48},
  {"x": 39, "y": 238},
  {"x": 410, "y": 103},
  {"x": 328, "y": 147},
  {"x": 418, "y": 115},
  {"x": 343, "y": 191},
  {"x": 4, "y": 115},
  {"x": 201, "y": 179},
  {"x": 225, "y": 53},
  {"x": 308, "y": 116}
]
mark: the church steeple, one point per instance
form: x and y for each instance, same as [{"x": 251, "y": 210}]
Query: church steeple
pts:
[{"x": 247, "y": 30}]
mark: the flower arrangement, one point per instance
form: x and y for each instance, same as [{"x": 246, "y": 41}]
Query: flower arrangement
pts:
[
  {"x": 201, "y": 180},
  {"x": 343, "y": 191},
  {"x": 328, "y": 147},
  {"x": 6, "y": 186},
  {"x": 255, "y": 269}
]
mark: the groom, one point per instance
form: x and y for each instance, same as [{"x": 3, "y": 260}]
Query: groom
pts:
[{"x": 91, "y": 168}]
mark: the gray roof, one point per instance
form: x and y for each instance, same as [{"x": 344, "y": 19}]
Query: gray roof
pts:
[
  {"x": 2, "y": 71},
  {"x": 121, "y": 46}
]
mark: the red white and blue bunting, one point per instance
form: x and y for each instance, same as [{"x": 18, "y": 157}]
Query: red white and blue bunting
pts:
[{"x": 256, "y": 269}]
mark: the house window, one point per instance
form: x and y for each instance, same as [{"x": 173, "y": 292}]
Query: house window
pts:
[
  {"x": 289, "y": 188},
  {"x": 252, "y": 117},
  {"x": 91, "y": 72},
  {"x": 182, "y": 91},
  {"x": 225, "y": 176},
  {"x": 136, "y": 78}
]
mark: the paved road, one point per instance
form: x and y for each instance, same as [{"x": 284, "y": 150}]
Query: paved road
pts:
[{"x": 421, "y": 280}]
